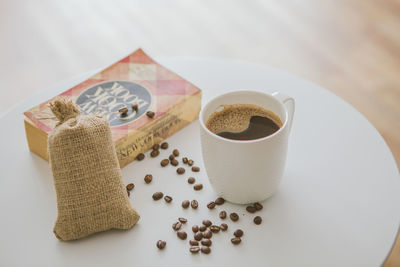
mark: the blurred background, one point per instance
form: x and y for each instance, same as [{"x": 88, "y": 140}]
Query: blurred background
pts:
[{"x": 350, "y": 47}]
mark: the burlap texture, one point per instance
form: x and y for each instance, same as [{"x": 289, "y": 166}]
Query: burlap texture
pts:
[{"x": 91, "y": 196}]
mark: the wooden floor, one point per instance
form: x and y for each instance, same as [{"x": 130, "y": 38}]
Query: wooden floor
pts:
[{"x": 351, "y": 47}]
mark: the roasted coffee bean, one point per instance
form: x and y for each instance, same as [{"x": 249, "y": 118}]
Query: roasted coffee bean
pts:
[
  {"x": 157, "y": 195},
  {"x": 206, "y": 242},
  {"x": 222, "y": 214},
  {"x": 207, "y": 234},
  {"x": 258, "y": 206},
  {"x": 207, "y": 223},
  {"x": 223, "y": 227},
  {"x": 220, "y": 201},
  {"x": 123, "y": 111},
  {"x": 130, "y": 186},
  {"x": 164, "y": 145},
  {"x": 214, "y": 228},
  {"x": 257, "y": 220},
  {"x": 182, "y": 220},
  {"x": 180, "y": 170},
  {"x": 161, "y": 244},
  {"x": 211, "y": 205},
  {"x": 168, "y": 199},
  {"x": 191, "y": 180},
  {"x": 195, "y": 169},
  {"x": 171, "y": 158},
  {"x": 135, "y": 107},
  {"x": 154, "y": 153},
  {"x": 202, "y": 228},
  {"x": 148, "y": 178},
  {"x": 174, "y": 162},
  {"x": 198, "y": 236},
  {"x": 205, "y": 250},
  {"x": 128, "y": 192},
  {"x": 190, "y": 162},
  {"x": 185, "y": 160},
  {"x": 182, "y": 235},
  {"x": 234, "y": 216},
  {"x": 194, "y": 204},
  {"x": 185, "y": 204},
  {"x": 195, "y": 228},
  {"x": 140, "y": 156},
  {"x": 164, "y": 162},
  {"x": 198, "y": 187},
  {"x": 150, "y": 114},
  {"x": 176, "y": 226},
  {"x": 175, "y": 152},
  {"x": 236, "y": 240},
  {"x": 194, "y": 249},
  {"x": 194, "y": 242},
  {"x": 238, "y": 233},
  {"x": 156, "y": 146},
  {"x": 251, "y": 209}
]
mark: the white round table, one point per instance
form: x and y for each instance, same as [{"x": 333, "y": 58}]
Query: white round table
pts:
[{"x": 338, "y": 203}]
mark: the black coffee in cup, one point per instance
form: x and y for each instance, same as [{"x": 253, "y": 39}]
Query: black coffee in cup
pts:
[{"x": 243, "y": 122}]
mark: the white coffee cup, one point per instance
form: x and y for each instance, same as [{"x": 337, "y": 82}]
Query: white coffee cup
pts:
[{"x": 246, "y": 171}]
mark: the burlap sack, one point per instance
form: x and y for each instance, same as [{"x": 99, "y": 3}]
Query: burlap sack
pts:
[{"x": 91, "y": 196}]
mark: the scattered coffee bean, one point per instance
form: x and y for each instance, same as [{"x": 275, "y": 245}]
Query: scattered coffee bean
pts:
[
  {"x": 251, "y": 209},
  {"x": 223, "y": 227},
  {"x": 198, "y": 236},
  {"x": 195, "y": 228},
  {"x": 123, "y": 111},
  {"x": 257, "y": 220},
  {"x": 171, "y": 158},
  {"x": 161, "y": 244},
  {"x": 206, "y": 242},
  {"x": 190, "y": 162},
  {"x": 207, "y": 223},
  {"x": 128, "y": 192},
  {"x": 154, "y": 153},
  {"x": 207, "y": 234},
  {"x": 168, "y": 199},
  {"x": 164, "y": 162},
  {"x": 185, "y": 160},
  {"x": 236, "y": 240},
  {"x": 156, "y": 146},
  {"x": 164, "y": 145},
  {"x": 220, "y": 201},
  {"x": 174, "y": 162},
  {"x": 135, "y": 107},
  {"x": 211, "y": 205},
  {"x": 198, "y": 187},
  {"x": 157, "y": 195},
  {"x": 182, "y": 220},
  {"x": 205, "y": 250},
  {"x": 258, "y": 206},
  {"x": 185, "y": 204},
  {"x": 140, "y": 156},
  {"x": 195, "y": 169},
  {"x": 222, "y": 214},
  {"x": 194, "y": 204},
  {"x": 191, "y": 180},
  {"x": 194, "y": 249},
  {"x": 180, "y": 170},
  {"x": 214, "y": 228},
  {"x": 175, "y": 152},
  {"x": 176, "y": 226},
  {"x": 202, "y": 228},
  {"x": 194, "y": 242},
  {"x": 182, "y": 235},
  {"x": 238, "y": 233},
  {"x": 130, "y": 186},
  {"x": 234, "y": 216},
  {"x": 148, "y": 178},
  {"x": 150, "y": 114}
]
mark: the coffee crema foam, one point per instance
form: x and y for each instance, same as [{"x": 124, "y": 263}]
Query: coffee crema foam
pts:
[{"x": 235, "y": 118}]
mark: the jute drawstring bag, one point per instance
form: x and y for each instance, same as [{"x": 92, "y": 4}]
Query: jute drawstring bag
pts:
[{"x": 91, "y": 196}]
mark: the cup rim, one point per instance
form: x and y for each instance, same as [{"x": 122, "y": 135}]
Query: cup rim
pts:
[{"x": 243, "y": 141}]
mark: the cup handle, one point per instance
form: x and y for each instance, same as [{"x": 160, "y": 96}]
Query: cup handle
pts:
[{"x": 289, "y": 104}]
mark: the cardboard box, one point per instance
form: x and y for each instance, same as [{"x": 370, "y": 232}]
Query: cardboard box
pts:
[{"x": 134, "y": 79}]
